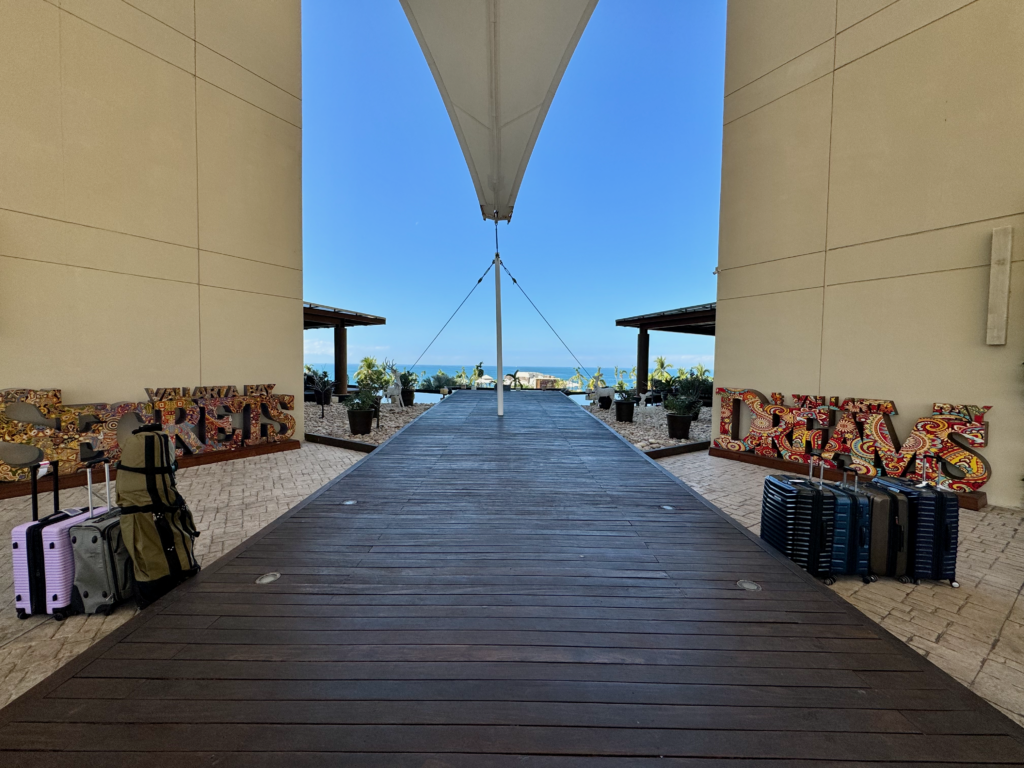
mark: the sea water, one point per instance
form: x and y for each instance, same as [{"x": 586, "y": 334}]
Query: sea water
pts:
[{"x": 558, "y": 372}]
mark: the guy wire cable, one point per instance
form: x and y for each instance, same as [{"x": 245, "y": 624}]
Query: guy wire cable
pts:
[
  {"x": 517, "y": 285},
  {"x": 453, "y": 314}
]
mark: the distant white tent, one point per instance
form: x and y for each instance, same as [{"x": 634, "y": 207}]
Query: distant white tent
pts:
[{"x": 497, "y": 64}]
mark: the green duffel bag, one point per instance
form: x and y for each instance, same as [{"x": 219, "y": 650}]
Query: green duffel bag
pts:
[
  {"x": 145, "y": 474},
  {"x": 156, "y": 525}
]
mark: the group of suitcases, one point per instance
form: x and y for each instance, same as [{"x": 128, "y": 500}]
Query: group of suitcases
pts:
[
  {"x": 888, "y": 527},
  {"x": 89, "y": 559}
]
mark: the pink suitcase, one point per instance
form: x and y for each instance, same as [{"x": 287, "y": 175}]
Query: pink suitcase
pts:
[{"x": 44, "y": 562}]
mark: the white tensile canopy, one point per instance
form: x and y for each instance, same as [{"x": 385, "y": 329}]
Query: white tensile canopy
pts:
[{"x": 497, "y": 64}]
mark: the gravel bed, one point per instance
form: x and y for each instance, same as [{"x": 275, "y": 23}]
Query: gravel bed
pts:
[
  {"x": 335, "y": 421},
  {"x": 649, "y": 429}
]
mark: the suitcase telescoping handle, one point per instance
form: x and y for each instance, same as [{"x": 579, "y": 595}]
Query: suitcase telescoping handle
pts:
[
  {"x": 34, "y": 473},
  {"x": 106, "y": 477}
]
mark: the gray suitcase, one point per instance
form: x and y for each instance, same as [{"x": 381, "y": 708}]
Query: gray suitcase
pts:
[{"x": 104, "y": 575}]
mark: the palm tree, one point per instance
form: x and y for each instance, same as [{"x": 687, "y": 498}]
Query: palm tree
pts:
[
  {"x": 700, "y": 372},
  {"x": 366, "y": 367},
  {"x": 578, "y": 379},
  {"x": 660, "y": 371},
  {"x": 597, "y": 380}
]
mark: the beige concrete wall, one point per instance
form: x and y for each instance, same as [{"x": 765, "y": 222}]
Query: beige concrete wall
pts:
[
  {"x": 150, "y": 195},
  {"x": 870, "y": 148}
]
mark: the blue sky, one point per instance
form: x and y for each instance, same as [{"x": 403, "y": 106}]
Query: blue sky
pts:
[{"x": 617, "y": 214}]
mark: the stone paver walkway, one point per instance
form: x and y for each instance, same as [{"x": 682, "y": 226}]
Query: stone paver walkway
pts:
[
  {"x": 230, "y": 501},
  {"x": 975, "y": 633}
]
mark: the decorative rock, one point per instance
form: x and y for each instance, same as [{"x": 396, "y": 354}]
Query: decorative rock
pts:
[
  {"x": 335, "y": 421},
  {"x": 649, "y": 431}
]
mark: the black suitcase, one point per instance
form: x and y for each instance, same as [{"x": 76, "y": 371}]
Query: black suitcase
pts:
[
  {"x": 797, "y": 518},
  {"x": 934, "y": 526},
  {"x": 890, "y": 532}
]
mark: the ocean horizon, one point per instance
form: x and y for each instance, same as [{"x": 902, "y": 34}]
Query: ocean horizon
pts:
[{"x": 558, "y": 371}]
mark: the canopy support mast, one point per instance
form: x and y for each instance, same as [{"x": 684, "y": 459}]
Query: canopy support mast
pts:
[{"x": 497, "y": 318}]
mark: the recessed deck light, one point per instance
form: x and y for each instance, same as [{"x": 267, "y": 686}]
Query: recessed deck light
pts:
[
  {"x": 266, "y": 578},
  {"x": 753, "y": 586},
  {"x": 667, "y": 506},
  {"x": 349, "y": 503}
]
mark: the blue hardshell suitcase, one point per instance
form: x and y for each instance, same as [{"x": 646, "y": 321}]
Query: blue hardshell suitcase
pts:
[
  {"x": 934, "y": 527},
  {"x": 851, "y": 541},
  {"x": 797, "y": 519}
]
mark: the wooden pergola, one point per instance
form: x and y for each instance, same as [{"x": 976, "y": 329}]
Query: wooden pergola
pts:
[
  {"x": 320, "y": 316},
  {"x": 699, "y": 319}
]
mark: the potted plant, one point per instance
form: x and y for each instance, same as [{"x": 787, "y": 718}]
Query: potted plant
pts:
[
  {"x": 409, "y": 381},
  {"x": 361, "y": 407},
  {"x": 680, "y": 413},
  {"x": 478, "y": 373},
  {"x": 322, "y": 386},
  {"x": 624, "y": 403}
]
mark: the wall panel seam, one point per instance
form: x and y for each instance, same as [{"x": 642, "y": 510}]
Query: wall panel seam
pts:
[
  {"x": 161, "y": 21},
  {"x": 926, "y": 231},
  {"x": 771, "y": 261},
  {"x": 96, "y": 269},
  {"x": 901, "y": 37},
  {"x": 190, "y": 246},
  {"x": 246, "y": 258},
  {"x": 747, "y": 114},
  {"x": 60, "y": 74},
  {"x": 772, "y": 293},
  {"x": 828, "y": 195},
  {"x": 199, "y": 242},
  {"x": 254, "y": 74},
  {"x": 133, "y": 45},
  {"x": 844, "y": 29},
  {"x": 775, "y": 69},
  {"x": 909, "y": 275},
  {"x": 254, "y": 293},
  {"x": 737, "y": 91},
  {"x": 257, "y": 106}
]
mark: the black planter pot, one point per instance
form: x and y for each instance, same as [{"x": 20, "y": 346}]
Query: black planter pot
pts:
[
  {"x": 624, "y": 410},
  {"x": 408, "y": 396},
  {"x": 360, "y": 422},
  {"x": 604, "y": 403},
  {"x": 657, "y": 398},
  {"x": 679, "y": 426}
]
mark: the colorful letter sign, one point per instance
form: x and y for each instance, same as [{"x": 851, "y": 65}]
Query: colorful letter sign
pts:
[
  {"x": 200, "y": 420},
  {"x": 816, "y": 431}
]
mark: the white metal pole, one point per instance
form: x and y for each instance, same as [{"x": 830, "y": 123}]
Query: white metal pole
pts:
[{"x": 497, "y": 324}]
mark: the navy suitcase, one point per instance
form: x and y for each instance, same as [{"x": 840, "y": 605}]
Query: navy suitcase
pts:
[
  {"x": 797, "y": 519},
  {"x": 934, "y": 526},
  {"x": 851, "y": 542}
]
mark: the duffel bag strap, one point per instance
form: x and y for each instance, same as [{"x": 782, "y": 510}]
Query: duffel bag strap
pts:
[{"x": 145, "y": 470}]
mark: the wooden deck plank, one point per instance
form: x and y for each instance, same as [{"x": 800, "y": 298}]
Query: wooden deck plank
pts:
[{"x": 504, "y": 592}]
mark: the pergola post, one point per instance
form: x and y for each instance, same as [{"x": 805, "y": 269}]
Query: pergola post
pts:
[
  {"x": 643, "y": 350},
  {"x": 340, "y": 360}
]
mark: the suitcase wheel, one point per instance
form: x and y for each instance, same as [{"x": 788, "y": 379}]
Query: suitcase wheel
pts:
[
  {"x": 21, "y": 614},
  {"x": 917, "y": 581},
  {"x": 60, "y": 615},
  {"x": 829, "y": 581},
  {"x": 954, "y": 584},
  {"x": 904, "y": 579},
  {"x": 868, "y": 579},
  {"x": 873, "y": 578}
]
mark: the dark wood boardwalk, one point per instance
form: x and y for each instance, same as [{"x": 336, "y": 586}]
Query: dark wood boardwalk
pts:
[{"x": 499, "y": 589}]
